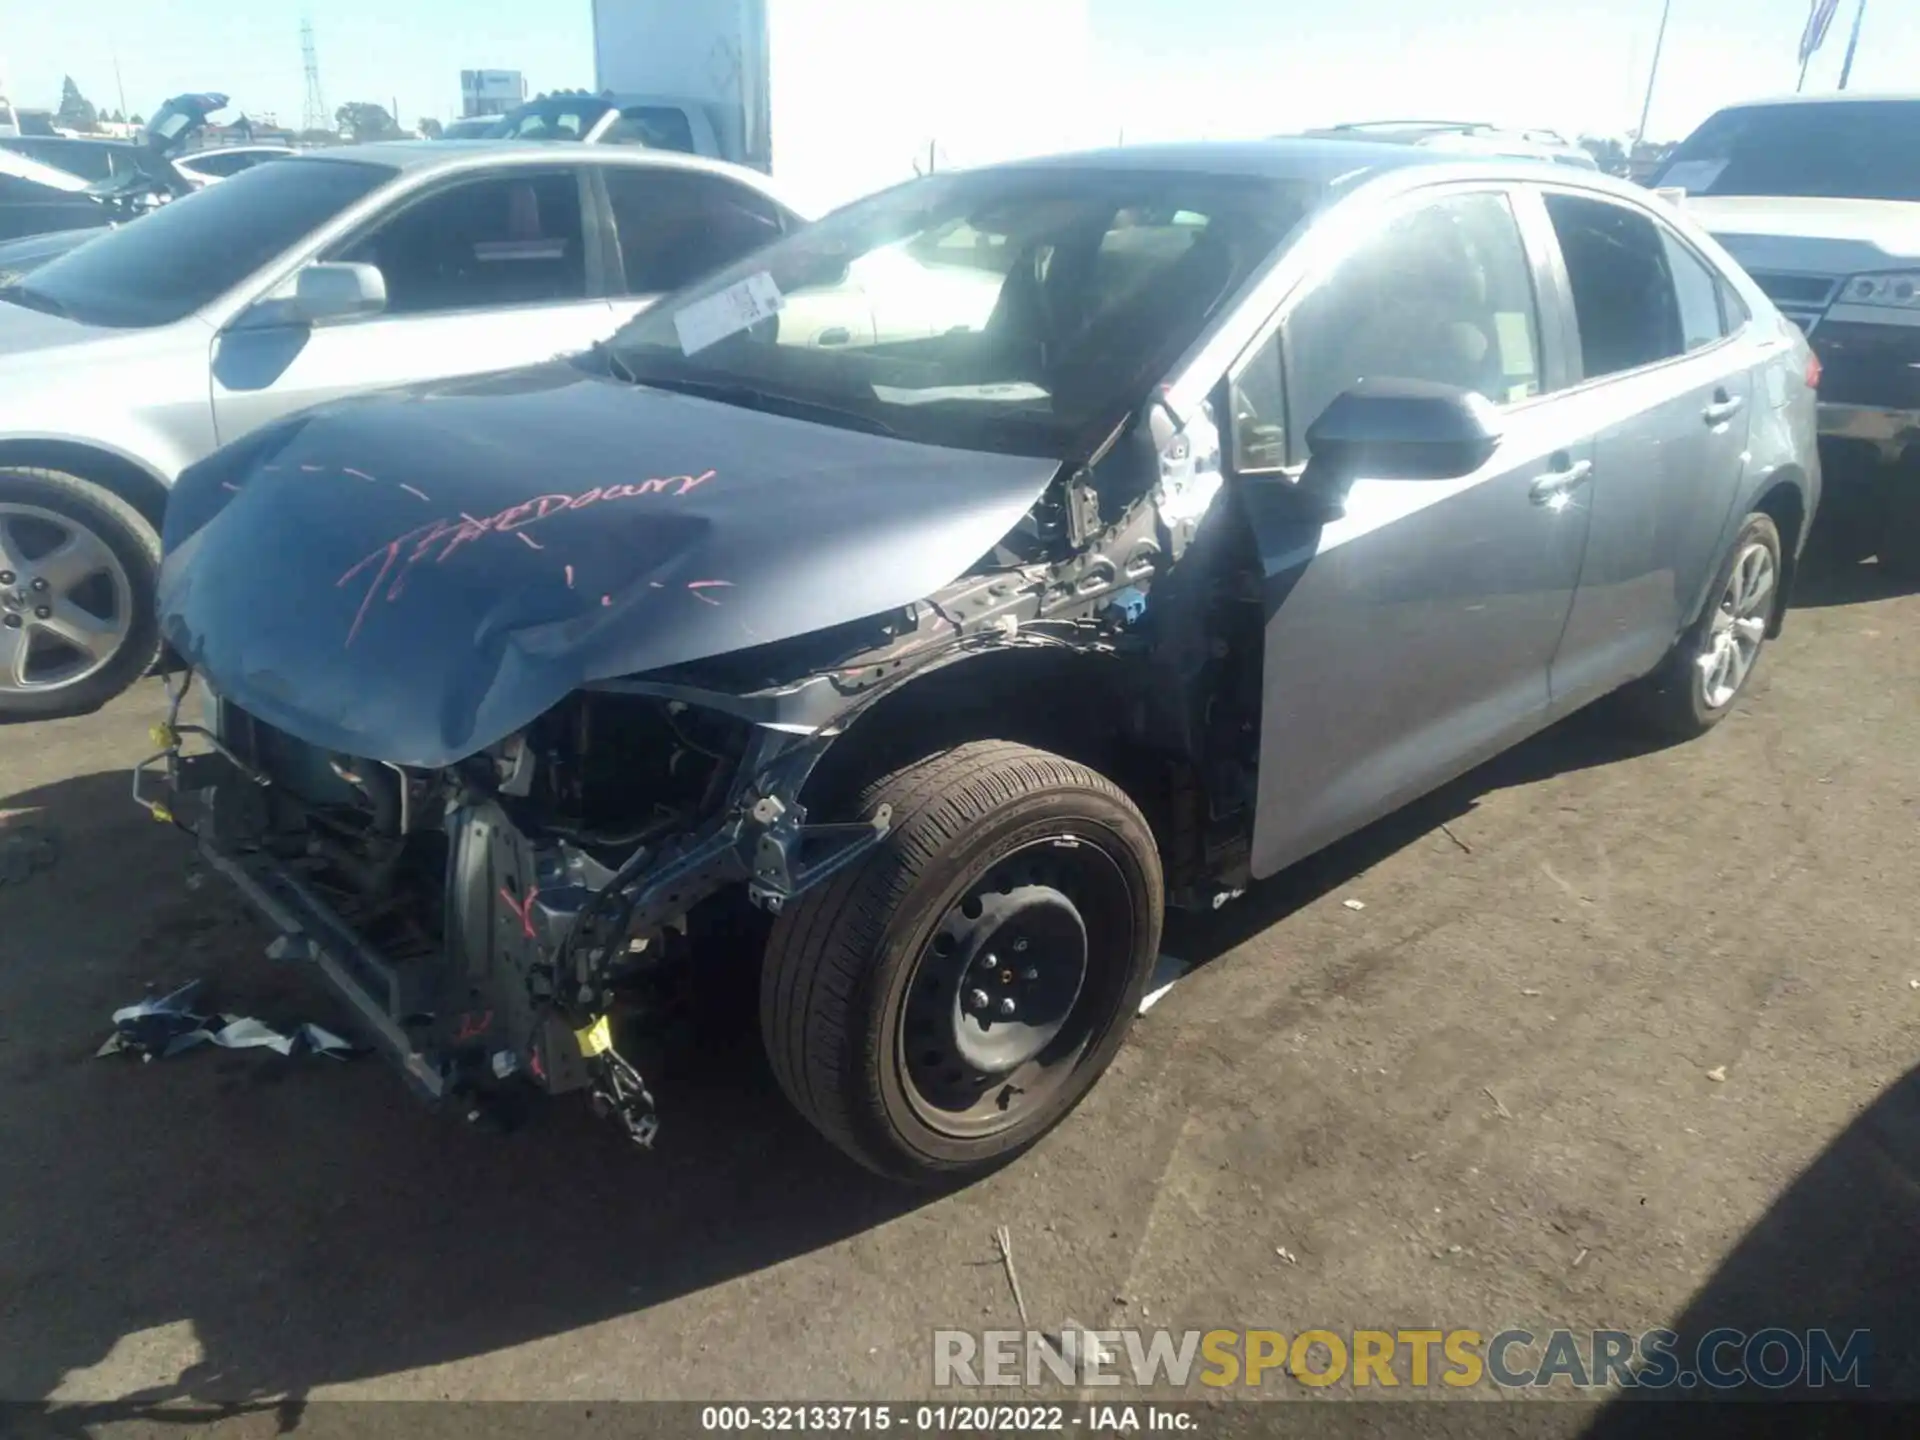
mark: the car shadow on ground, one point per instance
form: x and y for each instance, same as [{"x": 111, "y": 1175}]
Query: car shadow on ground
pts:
[
  {"x": 1829, "y": 582},
  {"x": 1839, "y": 1250}
]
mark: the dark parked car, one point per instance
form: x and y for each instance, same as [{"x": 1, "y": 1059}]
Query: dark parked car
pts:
[
  {"x": 1270, "y": 486},
  {"x": 91, "y": 160},
  {"x": 36, "y": 197}
]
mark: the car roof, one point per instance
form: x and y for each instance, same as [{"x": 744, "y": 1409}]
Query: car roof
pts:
[
  {"x": 1312, "y": 159},
  {"x": 1342, "y": 165},
  {"x": 1835, "y": 97},
  {"x": 108, "y": 141},
  {"x": 437, "y": 154},
  {"x": 417, "y": 157}
]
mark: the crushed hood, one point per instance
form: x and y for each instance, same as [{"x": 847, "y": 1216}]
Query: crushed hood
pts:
[
  {"x": 1810, "y": 235},
  {"x": 413, "y": 576}
]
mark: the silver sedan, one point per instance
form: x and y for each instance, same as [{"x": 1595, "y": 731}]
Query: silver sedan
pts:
[{"x": 130, "y": 355}]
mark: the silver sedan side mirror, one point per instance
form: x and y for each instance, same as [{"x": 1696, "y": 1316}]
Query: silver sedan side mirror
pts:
[{"x": 339, "y": 292}]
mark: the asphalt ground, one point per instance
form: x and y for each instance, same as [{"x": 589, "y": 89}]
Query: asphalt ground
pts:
[{"x": 1618, "y": 1038}]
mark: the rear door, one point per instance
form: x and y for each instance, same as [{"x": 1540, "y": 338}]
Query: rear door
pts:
[
  {"x": 1667, "y": 392},
  {"x": 1411, "y": 638},
  {"x": 487, "y": 271}
]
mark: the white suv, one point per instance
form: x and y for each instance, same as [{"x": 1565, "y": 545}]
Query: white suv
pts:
[{"x": 1819, "y": 199}]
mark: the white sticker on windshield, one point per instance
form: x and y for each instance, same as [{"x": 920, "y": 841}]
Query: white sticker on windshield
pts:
[
  {"x": 709, "y": 321},
  {"x": 1694, "y": 175},
  {"x": 1014, "y": 390}
]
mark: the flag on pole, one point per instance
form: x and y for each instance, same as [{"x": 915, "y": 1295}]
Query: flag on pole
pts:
[{"x": 1819, "y": 17}]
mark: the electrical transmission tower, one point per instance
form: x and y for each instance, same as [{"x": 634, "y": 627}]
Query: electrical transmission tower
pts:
[{"x": 315, "y": 116}]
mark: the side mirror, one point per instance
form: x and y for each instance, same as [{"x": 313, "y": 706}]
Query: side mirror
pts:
[
  {"x": 338, "y": 292},
  {"x": 1400, "y": 430}
]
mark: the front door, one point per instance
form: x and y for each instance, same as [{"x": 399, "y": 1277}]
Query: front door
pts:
[
  {"x": 486, "y": 273},
  {"x": 1412, "y": 638},
  {"x": 1668, "y": 396}
]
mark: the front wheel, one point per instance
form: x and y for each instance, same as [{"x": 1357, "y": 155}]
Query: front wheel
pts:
[
  {"x": 78, "y": 570},
  {"x": 1696, "y": 685},
  {"x": 940, "y": 1006}
]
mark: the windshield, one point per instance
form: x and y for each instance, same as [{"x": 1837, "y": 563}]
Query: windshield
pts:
[
  {"x": 1861, "y": 150},
  {"x": 1025, "y": 310},
  {"x": 565, "y": 118},
  {"x": 166, "y": 265}
]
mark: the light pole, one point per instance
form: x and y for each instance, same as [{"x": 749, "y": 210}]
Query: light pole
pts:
[
  {"x": 1853, "y": 41},
  {"x": 1653, "y": 74}
]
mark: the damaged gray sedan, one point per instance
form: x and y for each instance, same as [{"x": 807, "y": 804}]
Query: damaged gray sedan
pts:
[{"x": 930, "y": 599}]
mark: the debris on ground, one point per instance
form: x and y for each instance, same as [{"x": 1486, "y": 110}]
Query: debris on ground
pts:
[
  {"x": 1447, "y": 830},
  {"x": 1531, "y": 994},
  {"x": 1286, "y": 1255},
  {"x": 1354, "y": 904},
  {"x": 159, "y": 1028},
  {"x": 1166, "y": 971},
  {"x": 1505, "y": 1114},
  {"x": 1004, "y": 1238},
  {"x": 1082, "y": 1348},
  {"x": 1718, "y": 1074},
  {"x": 24, "y": 848}
]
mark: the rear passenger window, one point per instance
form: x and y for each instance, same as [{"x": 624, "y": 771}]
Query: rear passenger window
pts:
[
  {"x": 1623, "y": 287},
  {"x": 1443, "y": 294},
  {"x": 1698, "y": 291},
  {"x": 1733, "y": 310},
  {"x": 676, "y": 225}
]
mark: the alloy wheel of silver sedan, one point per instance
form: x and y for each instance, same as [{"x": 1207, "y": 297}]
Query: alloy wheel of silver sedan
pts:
[
  {"x": 66, "y": 602},
  {"x": 1739, "y": 626}
]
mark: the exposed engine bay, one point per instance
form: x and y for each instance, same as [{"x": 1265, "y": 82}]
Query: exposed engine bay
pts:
[{"x": 509, "y": 918}]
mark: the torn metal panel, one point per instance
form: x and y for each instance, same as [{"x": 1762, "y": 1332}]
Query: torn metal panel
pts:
[{"x": 161, "y": 1027}]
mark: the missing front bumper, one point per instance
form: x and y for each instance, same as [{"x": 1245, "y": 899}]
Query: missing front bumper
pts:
[{"x": 518, "y": 982}]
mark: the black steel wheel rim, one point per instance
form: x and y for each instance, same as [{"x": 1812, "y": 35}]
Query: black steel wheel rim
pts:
[{"x": 1022, "y": 975}]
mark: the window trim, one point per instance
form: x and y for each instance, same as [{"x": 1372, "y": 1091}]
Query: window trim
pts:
[
  {"x": 591, "y": 253},
  {"x": 613, "y": 256},
  {"x": 1579, "y": 381},
  {"x": 1553, "y": 377}
]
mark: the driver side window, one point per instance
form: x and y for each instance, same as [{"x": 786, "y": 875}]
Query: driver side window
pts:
[
  {"x": 1442, "y": 294},
  {"x": 512, "y": 239}
]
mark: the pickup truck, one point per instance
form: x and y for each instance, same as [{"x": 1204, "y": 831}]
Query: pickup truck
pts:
[{"x": 1818, "y": 197}]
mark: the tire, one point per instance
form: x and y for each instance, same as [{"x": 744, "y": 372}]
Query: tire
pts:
[
  {"x": 117, "y": 596},
  {"x": 992, "y": 844},
  {"x": 1674, "y": 701}
]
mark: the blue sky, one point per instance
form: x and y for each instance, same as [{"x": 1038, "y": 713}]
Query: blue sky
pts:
[{"x": 1164, "y": 68}]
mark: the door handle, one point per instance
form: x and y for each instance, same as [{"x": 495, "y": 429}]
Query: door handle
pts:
[
  {"x": 1567, "y": 478},
  {"x": 1723, "y": 408}
]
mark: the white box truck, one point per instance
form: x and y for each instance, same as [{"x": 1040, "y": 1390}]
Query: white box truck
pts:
[{"x": 836, "y": 98}]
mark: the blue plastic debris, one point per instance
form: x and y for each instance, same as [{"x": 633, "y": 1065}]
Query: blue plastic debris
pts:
[{"x": 1131, "y": 604}]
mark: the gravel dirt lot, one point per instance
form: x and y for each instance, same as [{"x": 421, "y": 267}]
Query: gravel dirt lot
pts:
[{"x": 1487, "y": 1098}]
